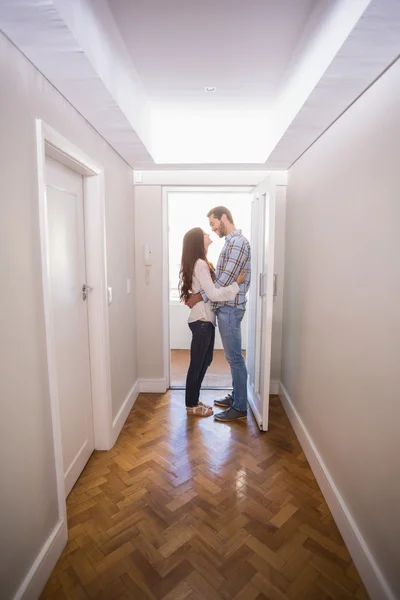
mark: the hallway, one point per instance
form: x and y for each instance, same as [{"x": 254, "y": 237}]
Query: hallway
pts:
[{"x": 188, "y": 508}]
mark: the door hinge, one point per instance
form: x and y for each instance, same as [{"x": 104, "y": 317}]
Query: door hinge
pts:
[
  {"x": 263, "y": 284},
  {"x": 275, "y": 285},
  {"x": 85, "y": 290}
]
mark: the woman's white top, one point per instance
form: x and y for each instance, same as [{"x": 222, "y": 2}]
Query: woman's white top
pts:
[{"x": 202, "y": 280}]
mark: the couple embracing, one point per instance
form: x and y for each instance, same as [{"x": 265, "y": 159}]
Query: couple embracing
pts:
[{"x": 216, "y": 295}]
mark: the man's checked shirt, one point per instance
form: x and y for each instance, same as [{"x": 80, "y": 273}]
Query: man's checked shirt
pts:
[{"x": 235, "y": 256}]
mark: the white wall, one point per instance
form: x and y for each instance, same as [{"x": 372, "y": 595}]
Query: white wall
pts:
[
  {"x": 341, "y": 335},
  {"x": 29, "y": 508},
  {"x": 150, "y": 300},
  {"x": 279, "y": 268}
]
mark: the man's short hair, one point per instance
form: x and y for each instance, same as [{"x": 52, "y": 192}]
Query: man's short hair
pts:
[{"x": 218, "y": 211}]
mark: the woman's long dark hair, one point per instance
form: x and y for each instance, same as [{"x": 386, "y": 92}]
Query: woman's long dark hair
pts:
[{"x": 192, "y": 250}]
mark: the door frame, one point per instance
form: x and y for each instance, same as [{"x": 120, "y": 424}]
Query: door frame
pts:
[
  {"x": 264, "y": 303},
  {"x": 53, "y": 145},
  {"x": 245, "y": 188}
]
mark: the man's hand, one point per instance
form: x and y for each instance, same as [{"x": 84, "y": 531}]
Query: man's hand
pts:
[{"x": 193, "y": 300}]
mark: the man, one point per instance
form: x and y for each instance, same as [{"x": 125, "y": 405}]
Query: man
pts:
[{"x": 235, "y": 256}]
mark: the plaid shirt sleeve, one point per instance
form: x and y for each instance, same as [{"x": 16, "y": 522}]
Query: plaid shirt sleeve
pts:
[{"x": 204, "y": 295}]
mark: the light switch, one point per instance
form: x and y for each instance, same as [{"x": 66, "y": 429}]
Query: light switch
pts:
[{"x": 109, "y": 295}]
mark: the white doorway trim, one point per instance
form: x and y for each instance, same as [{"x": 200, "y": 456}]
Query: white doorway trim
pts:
[
  {"x": 165, "y": 253},
  {"x": 165, "y": 249},
  {"x": 52, "y": 144},
  {"x": 199, "y": 177}
]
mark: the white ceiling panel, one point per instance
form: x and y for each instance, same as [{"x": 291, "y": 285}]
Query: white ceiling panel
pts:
[
  {"x": 136, "y": 70},
  {"x": 241, "y": 47}
]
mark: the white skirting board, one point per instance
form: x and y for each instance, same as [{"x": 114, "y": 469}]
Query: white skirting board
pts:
[
  {"x": 38, "y": 575},
  {"x": 141, "y": 385},
  {"x": 368, "y": 569},
  {"x": 153, "y": 386},
  {"x": 124, "y": 411}
]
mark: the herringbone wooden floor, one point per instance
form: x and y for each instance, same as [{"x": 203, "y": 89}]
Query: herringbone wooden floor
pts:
[{"x": 187, "y": 508}]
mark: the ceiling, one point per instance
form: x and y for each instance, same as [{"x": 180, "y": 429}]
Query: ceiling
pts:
[
  {"x": 243, "y": 48},
  {"x": 137, "y": 69}
]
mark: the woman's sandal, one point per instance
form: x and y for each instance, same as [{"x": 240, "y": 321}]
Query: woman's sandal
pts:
[{"x": 201, "y": 410}]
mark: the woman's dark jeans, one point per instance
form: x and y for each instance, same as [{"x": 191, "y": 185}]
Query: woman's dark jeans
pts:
[{"x": 201, "y": 355}]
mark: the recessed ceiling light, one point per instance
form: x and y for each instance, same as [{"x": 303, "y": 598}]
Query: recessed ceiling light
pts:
[{"x": 210, "y": 89}]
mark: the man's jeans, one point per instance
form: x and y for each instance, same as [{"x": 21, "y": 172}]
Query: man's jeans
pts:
[{"x": 229, "y": 322}]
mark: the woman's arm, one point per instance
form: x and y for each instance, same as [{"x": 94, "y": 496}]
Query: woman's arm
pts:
[{"x": 222, "y": 294}]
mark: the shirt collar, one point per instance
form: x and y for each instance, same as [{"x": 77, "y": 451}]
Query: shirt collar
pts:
[{"x": 233, "y": 234}]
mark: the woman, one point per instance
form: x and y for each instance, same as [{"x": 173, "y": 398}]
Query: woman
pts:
[{"x": 198, "y": 274}]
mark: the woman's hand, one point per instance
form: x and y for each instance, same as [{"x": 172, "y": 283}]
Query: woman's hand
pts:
[{"x": 242, "y": 277}]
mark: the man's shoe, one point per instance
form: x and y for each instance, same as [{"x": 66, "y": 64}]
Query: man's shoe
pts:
[
  {"x": 224, "y": 402},
  {"x": 231, "y": 415}
]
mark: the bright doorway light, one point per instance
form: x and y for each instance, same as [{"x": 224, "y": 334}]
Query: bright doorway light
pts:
[{"x": 189, "y": 209}]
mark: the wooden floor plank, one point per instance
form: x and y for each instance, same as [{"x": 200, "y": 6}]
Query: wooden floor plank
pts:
[{"x": 192, "y": 509}]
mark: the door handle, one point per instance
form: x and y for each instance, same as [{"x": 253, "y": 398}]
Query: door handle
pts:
[
  {"x": 275, "y": 285},
  {"x": 263, "y": 285}
]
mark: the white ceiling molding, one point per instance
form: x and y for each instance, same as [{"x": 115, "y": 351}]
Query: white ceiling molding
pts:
[
  {"x": 328, "y": 27},
  {"x": 370, "y": 48},
  {"x": 39, "y": 29},
  {"x": 143, "y": 166},
  {"x": 92, "y": 25},
  {"x": 207, "y": 177}
]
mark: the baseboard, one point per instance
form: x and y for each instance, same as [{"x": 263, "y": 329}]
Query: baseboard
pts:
[
  {"x": 124, "y": 411},
  {"x": 153, "y": 386},
  {"x": 368, "y": 569},
  {"x": 39, "y": 573}
]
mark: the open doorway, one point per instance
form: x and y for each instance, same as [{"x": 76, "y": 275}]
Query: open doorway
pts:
[{"x": 187, "y": 208}]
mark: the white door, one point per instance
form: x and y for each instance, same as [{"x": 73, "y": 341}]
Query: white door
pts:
[
  {"x": 66, "y": 251},
  {"x": 261, "y": 300}
]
